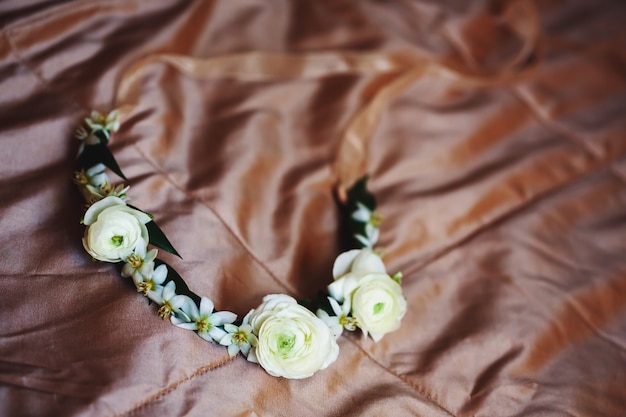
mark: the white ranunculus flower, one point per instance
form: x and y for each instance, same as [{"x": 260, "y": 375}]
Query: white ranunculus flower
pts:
[
  {"x": 113, "y": 229},
  {"x": 375, "y": 299},
  {"x": 292, "y": 341},
  {"x": 378, "y": 305}
]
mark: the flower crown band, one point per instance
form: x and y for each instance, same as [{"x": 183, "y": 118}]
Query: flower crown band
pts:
[{"x": 284, "y": 336}]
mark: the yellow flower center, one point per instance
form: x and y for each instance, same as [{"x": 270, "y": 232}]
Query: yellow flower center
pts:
[
  {"x": 376, "y": 219},
  {"x": 145, "y": 286},
  {"x": 240, "y": 338},
  {"x": 80, "y": 177},
  {"x": 165, "y": 311},
  {"x": 347, "y": 322},
  {"x": 134, "y": 261},
  {"x": 106, "y": 188},
  {"x": 117, "y": 240},
  {"x": 203, "y": 325}
]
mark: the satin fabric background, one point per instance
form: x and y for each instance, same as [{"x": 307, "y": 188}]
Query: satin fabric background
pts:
[{"x": 495, "y": 137}]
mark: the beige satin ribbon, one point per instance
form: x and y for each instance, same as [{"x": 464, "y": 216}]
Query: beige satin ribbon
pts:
[{"x": 393, "y": 73}]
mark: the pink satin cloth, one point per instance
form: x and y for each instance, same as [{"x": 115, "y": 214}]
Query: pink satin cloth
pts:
[{"x": 495, "y": 139}]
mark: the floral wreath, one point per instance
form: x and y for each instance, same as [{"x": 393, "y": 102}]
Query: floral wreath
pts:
[{"x": 283, "y": 335}]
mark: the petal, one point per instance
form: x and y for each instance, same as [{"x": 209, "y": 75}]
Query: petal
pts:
[
  {"x": 185, "y": 325},
  {"x": 169, "y": 290},
  {"x": 245, "y": 349},
  {"x": 156, "y": 295},
  {"x": 151, "y": 256},
  {"x": 322, "y": 315},
  {"x": 138, "y": 214},
  {"x": 216, "y": 333},
  {"x": 159, "y": 274},
  {"x": 372, "y": 233},
  {"x": 247, "y": 317},
  {"x": 179, "y": 300},
  {"x": 141, "y": 247},
  {"x": 376, "y": 336},
  {"x": 362, "y": 213},
  {"x": 206, "y": 306},
  {"x": 254, "y": 341},
  {"x": 252, "y": 356},
  {"x": 137, "y": 276},
  {"x": 233, "y": 350},
  {"x": 92, "y": 213},
  {"x": 343, "y": 287},
  {"x": 177, "y": 321},
  {"x": 230, "y": 328},
  {"x": 368, "y": 261},
  {"x": 343, "y": 263},
  {"x": 222, "y": 317},
  {"x": 206, "y": 336},
  {"x": 147, "y": 270},
  {"x": 113, "y": 115},
  {"x": 188, "y": 307},
  {"x": 138, "y": 279},
  {"x": 92, "y": 140},
  {"x": 99, "y": 179},
  {"x": 226, "y": 340},
  {"x": 364, "y": 241},
  {"x": 245, "y": 328},
  {"x": 127, "y": 270},
  {"x": 335, "y": 306}
]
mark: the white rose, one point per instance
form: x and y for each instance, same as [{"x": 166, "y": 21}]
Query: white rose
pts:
[
  {"x": 113, "y": 229},
  {"x": 375, "y": 299},
  {"x": 292, "y": 341}
]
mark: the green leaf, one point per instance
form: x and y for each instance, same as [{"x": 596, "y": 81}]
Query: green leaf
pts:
[
  {"x": 158, "y": 239},
  {"x": 109, "y": 160},
  {"x": 103, "y": 136},
  {"x": 323, "y": 303},
  {"x": 96, "y": 154},
  {"x": 359, "y": 193}
]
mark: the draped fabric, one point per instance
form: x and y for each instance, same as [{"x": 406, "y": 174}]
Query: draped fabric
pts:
[{"x": 494, "y": 136}]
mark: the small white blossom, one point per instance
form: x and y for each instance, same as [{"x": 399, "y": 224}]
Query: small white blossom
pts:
[
  {"x": 204, "y": 320},
  {"x": 170, "y": 302},
  {"x": 239, "y": 339},
  {"x": 362, "y": 214},
  {"x": 107, "y": 190},
  {"x": 150, "y": 284},
  {"x": 372, "y": 221},
  {"x": 94, "y": 184},
  {"x": 106, "y": 124},
  {"x": 371, "y": 236},
  {"x": 341, "y": 320},
  {"x": 94, "y": 176},
  {"x": 140, "y": 263},
  {"x": 97, "y": 176},
  {"x": 87, "y": 138}
]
